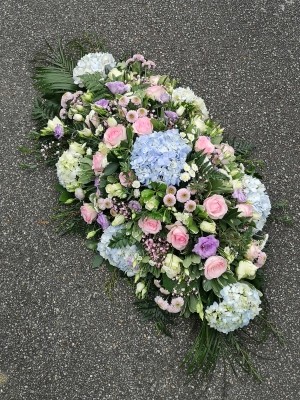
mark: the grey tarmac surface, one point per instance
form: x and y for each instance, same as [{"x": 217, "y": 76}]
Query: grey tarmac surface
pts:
[{"x": 61, "y": 337}]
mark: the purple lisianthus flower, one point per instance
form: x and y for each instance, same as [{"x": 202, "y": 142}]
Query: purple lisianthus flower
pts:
[
  {"x": 134, "y": 205},
  {"x": 171, "y": 115},
  {"x": 102, "y": 103},
  {"x": 58, "y": 132},
  {"x": 239, "y": 195},
  {"x": 117, "y": 87},
  {"x": 206, "y": 246},
  {"x": 103, "y": 221}
]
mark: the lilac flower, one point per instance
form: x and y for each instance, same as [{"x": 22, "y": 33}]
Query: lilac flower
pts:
[
  {"x": 103, "y": 221},
  {"x": 239, "y": 195},
  {"x": 171, "y": 115},
  {"x": 134, "y": 205},
  {"x": 206, "y": 246},
  {"x": 102, "y": 103},
  {"x": 117, "y": 87},
  {"x": 58, "y": 132}
]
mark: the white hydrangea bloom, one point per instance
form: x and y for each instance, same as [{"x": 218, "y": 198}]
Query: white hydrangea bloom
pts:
[
  {"x": 68, "y": 169},
  {"x": 186, "y": 95},
  {"x": 256, "y": 195},
  {"x": 91, "y": 63},
  {"x": 239, "y": 306}
]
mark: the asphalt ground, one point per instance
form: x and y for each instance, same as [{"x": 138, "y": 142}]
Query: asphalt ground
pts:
[{"x": 61, "y": 337}]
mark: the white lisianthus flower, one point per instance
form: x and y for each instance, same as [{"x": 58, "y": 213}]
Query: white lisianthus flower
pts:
[
  {"x": 199, "y": 124},
  {"x": 186, "y": 95},
  {"x": 91, "y": 63}
]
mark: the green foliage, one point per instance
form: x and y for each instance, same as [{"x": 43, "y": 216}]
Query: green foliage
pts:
[
  {"x": 92, "y": 83},
  {"x": 43, "y": 110},
  {"x": 151, "y": 312},
  {"x": 120, "y": 239},
  {"x": 204, "y": 353}
]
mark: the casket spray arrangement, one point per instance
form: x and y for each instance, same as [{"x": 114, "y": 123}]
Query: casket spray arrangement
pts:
[{"x": 162, "y": 197}]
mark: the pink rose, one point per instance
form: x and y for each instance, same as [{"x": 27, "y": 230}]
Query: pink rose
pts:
[
  {"x": 143, "y": 126},
  {"x": 149, "y": 225},
  {"x": 204, "y": 144},
  {"x": 114, "y": 136},
  {"x": 157, "y": 93},
  {"x": 88, "y": 213},
  {"x": 215, "y": 206},
  {"x": 178, "y": 237},
  {"x": 214, "y": 267},
  {"x": 99, "y": 162},
  {"x": 245, "y": 210}
]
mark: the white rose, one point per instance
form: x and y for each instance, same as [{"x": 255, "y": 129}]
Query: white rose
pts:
[{"x": 246, "y": 269}]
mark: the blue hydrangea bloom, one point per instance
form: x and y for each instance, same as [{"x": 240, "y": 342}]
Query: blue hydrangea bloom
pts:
[
  {"x": 239, "y": 306},
  {"x": 122, "y": 258},
  {"x": 159, "y": 157}
]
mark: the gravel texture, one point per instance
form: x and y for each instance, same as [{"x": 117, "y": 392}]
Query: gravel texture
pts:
[{"x": 61, "y": 337}]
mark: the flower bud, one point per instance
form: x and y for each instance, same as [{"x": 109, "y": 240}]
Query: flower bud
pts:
[
  {"x": 180, "y": 110},
  {"x": 119, "y": 220},
  {"x": 78, "y": 117},
  {"x": 111, "y": 122},
  {"x": 246, "y": 269},
  {"x": 209, "y": 227},
  {"x": 79, "y": 193}
]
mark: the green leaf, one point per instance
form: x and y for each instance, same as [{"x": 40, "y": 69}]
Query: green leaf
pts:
[
  {"x": 97, "y": 261},
  {"x": 110, "y": 169},
  {"x": 65, "y": 196},
  {"x": 207, "y": 285},
  {"x": 167, "y": 283}
]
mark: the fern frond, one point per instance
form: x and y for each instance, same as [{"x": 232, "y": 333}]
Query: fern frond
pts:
[{"x": 43, "y": 110}]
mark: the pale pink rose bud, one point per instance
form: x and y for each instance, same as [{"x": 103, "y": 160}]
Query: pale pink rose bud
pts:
[
  {"x": 99, "y": 162},
  {"x": 245, "y": 210},
  {"x": 215, "y": 206},
  {"x": 204, "y": 144},
  {"x": 157, "y": 93},
  {"x": 149, "y": 225},
  {"x": 126, "y": 179},
  {"x": 261, "y": 259},
  {"x": 214, "y": 267},
  {"x": 252, "y": 252},
  {"x": 88, "y": 213},
  {"x": 114, "y": 136},
  {"x": 183, "y": 195},
  {"x": 143, "y": 126},
  {"x": 79, "y": 193},
  {"x": 178, "y": 237},
  {"x": 154, "y": 79}
]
